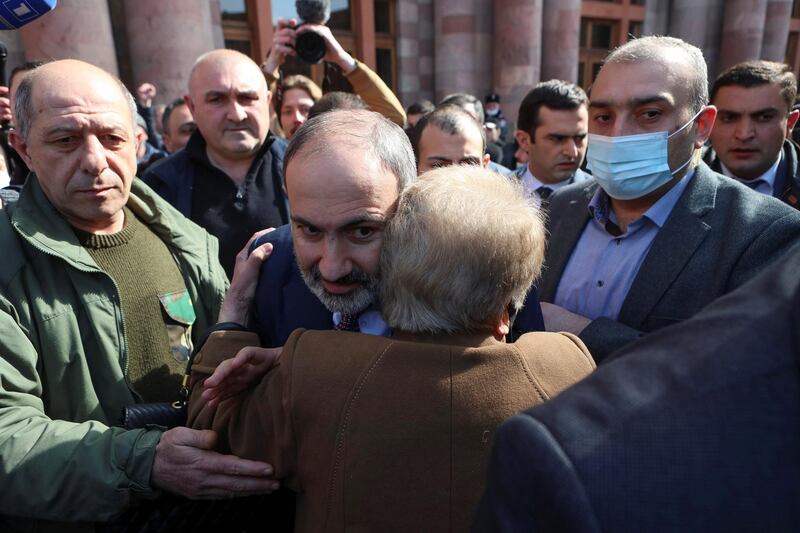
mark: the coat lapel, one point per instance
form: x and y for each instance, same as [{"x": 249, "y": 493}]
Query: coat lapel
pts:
[
  {"x": 672, "y": 248},
  {"x": 568, "y": 215}
]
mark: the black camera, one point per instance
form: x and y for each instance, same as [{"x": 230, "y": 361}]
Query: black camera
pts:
[{"x": 310, "y": 46}]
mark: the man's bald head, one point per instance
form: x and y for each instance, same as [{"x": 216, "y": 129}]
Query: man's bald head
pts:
[
  {"x": 53, "y": 77},
  {"x": 229, "y": 99},
  {"x": 223, "y": 59}
]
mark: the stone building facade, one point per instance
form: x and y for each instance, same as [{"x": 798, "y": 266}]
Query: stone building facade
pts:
[{"x": 422, "y": 48}]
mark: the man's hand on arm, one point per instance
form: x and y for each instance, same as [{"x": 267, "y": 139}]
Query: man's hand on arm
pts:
[
  {"x": 239, "y": 298},
  {"x": 239, "y": 373},
  {"x": 186, "y": 464},
  {"x": 557, "y": 318}
]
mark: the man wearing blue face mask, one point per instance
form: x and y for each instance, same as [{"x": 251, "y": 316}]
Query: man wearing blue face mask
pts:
[{"x": 656, "y": 235}]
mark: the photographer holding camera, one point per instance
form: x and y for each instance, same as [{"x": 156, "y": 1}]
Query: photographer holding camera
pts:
[{"x": 297, "y": 94}]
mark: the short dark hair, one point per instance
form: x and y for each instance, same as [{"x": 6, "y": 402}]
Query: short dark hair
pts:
[
  {"x": 337, "y": 100},
  {"x": 451, "y": 119},
  {"x": 168, "y": 112},
  {"x": 553, "y": 94},
  {"x": 755, "y": 73},
  {"x": 381, "y": 137},
  {"x": 421, "y": 107},
  {"x": 462, "y": 100}
]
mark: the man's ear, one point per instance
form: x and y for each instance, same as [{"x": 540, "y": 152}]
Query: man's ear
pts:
[
  {"x": 189, "y": 102},
  {"x": 503, "y": 326},
  {"x": 790, "y": 124},
  {"x": 21, "y": 147},
  {"x": 705, "y": 123},
  {"x": 485, "y": 160},
  {"x": 523, "y": 139}
]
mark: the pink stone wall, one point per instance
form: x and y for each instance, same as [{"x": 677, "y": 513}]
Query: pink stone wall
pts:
[
  {"x": 517, "y": 51},
  {"x": 164, "y": 39},
  {"x": 561, "y": 26},
  {"x": 742, "y": 31},
  {"x": 463, "y": 46},
  {"x": 78, "y": 29}
]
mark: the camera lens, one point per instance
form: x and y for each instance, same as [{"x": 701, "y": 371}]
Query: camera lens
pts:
[{"x": 310, "y": 47}]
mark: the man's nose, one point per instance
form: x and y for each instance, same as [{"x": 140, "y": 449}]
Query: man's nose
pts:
[
  {"x": 94, "y": 160},
  {"x": 334, "y": 263},
  {"x": 570, "y": 148},
  {"x": 744, "y": 128},
  {"x": 236, "y": 112}
]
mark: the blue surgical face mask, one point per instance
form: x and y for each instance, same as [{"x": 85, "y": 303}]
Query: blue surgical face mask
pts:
[{"x": 632, "y": 166}]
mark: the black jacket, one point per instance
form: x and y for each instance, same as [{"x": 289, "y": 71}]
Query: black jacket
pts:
[
  {"x": 205, "y": 194},
  {"x": 787, "y": 179}
]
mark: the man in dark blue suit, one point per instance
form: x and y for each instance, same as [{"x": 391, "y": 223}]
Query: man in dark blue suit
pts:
[
  {"x": 344, "y": 172},
  {"x": 695, "y": 427}
]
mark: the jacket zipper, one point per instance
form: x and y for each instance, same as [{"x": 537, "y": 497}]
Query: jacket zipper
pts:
[{"x": 116, "y": 300}]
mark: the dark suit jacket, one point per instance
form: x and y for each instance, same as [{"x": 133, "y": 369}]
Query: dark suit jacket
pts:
[
  {"x": 693, "y": 428},
  {"x": 284, "y": 303},
  {"x": 719, "y": 235},
  {"x": 384, "y": 434},
  {"x": 787, "y": 178}
]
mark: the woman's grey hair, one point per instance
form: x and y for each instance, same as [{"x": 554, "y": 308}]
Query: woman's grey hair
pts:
[
  {"x": 651, "y": 47},
  {"x": 23, "y": 103},
  {"x": 364, "y": 130},
  {"x": 464, "y": 244}
]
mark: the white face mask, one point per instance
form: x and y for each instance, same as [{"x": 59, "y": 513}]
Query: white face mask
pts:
[{"x": 632, "y": 166}]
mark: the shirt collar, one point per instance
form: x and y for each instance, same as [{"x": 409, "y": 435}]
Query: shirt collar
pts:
[
  {"x": 767, "y": 177},
  {"x": 600, "y": 204},
  {"x": 530, "y": 183}
]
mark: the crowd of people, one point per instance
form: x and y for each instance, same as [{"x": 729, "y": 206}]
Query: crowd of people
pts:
[{"x": 345, "y": 315}]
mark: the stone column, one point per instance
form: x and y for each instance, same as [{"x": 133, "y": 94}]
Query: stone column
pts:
[
  {"x": 742, "y": 31},
  {"x": 463, "y": 39},
  {"x": 427, "y": 81},
  {"x": 79, "y": 29},
  {"x": 517, "y": 51},
  {"x": 165, "y": 38},
  {"x": 408, "y": 65},
  {"x": 698, "y": 22},
  {"x": 561, "y": 29},
  {"x": 776, "y": 30}
]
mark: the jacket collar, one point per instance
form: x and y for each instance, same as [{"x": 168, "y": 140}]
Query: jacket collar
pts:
[
  {"x": 196, "y": 150},
  {"x": 39, "y": 223}
]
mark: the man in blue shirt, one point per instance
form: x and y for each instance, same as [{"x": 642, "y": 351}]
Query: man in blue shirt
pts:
[{"x": 656, "y": 235}]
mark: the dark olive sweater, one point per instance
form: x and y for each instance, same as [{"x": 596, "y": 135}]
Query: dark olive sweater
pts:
[{"x": 145, "y": 271}]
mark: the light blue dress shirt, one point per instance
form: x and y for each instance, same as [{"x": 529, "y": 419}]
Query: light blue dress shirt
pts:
[
  {"x": 370, "y": 322},
  {"x": 604, "y": 263},
  {"x": 765, "y": 183}
]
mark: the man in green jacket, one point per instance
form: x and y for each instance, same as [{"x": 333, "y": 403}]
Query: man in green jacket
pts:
[{"x": 103, "y": 289}]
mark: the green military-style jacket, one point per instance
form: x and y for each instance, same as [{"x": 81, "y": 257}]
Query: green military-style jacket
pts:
[{"x": 63, "y": 361}]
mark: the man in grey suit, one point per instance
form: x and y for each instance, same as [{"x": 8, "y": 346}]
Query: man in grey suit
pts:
[{"x": 656, "y": 235}]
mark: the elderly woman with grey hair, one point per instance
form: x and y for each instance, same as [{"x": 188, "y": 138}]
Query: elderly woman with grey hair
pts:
[{"x": 382, "y": 434}]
